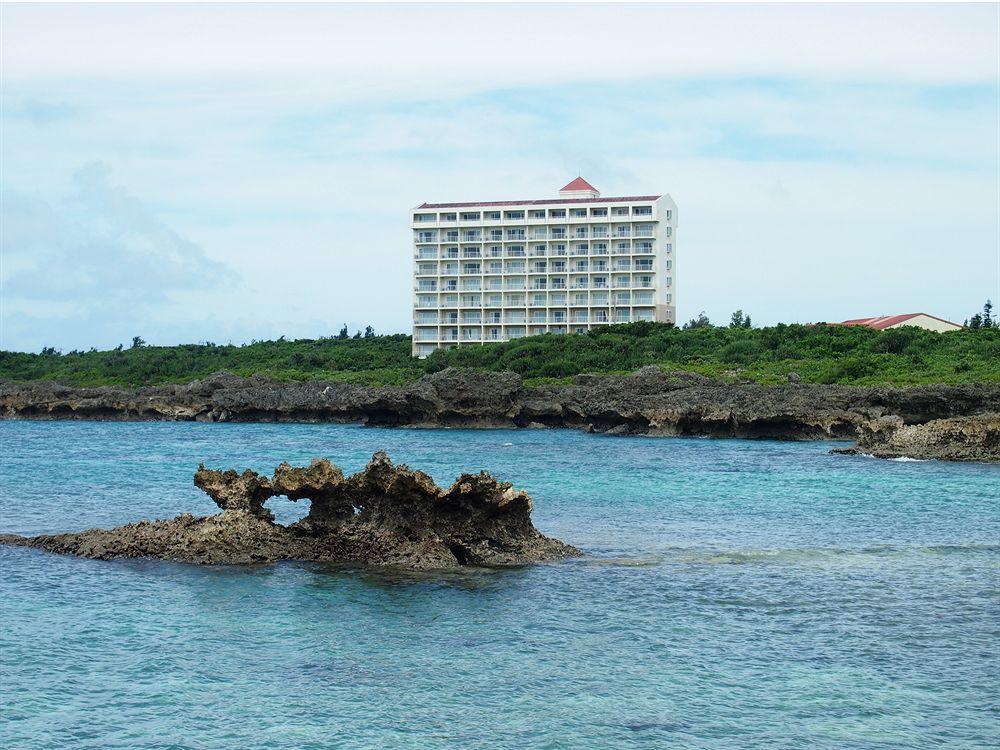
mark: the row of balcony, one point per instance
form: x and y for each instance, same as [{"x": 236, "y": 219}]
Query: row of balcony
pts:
[
  {"x": 519, "y": 252},
  {"x": 518, "y": 284},
  {"x": 596, "y": 315},
  {"x": 582, "y": 266},
  {"x": 520, "y": 235},
  {"x": 598, "y": 299},
  {"x": 602, "y": 213}
]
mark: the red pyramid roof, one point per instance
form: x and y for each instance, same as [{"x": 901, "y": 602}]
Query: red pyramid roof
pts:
[{"x": 579, "y": 184}]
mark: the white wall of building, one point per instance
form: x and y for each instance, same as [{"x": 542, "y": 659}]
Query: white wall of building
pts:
[{"x": 486, "y": 273}]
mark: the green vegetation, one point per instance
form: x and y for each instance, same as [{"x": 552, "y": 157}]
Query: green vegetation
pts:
[{"x": 815, "y": 354}]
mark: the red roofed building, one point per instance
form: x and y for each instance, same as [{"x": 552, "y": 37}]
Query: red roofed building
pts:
[
  {"x": 919, "y": 320},
  {"x": 579, "y": 188}
]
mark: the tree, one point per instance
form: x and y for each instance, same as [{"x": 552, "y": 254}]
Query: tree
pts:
[
  {"x": 739, "y": 320},
  {"x": 343, "y": 332},
  {"x": 988, "y": 321},
  {"x": 138, "y": 342},
  {"x": 369, "y": 332},
  {"x": 50, "y": 351},
  {"x": 701, "y": 321},
  {"x": 357, "y": 334},
  {"x": 975, "y": 322}
]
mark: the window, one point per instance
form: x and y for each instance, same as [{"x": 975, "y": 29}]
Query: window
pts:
[
  {"x": 537, "y": 214},
  {"x": 494, "y": 251},
  {"x": 621, "y": 211},
  {"x": 474, "y": 216},
  {"x": 448, "y": 217},
  {"x": 514, "y": 215},
  {"x": 496, "y": 234},
  {"x": 492, "y": 216},
  {"x": 598, "y": 212},
  {"x": 557, "y": 213},
  {"x": 579, "y": 212},
  {"x": 515, "y": 234},
  {"x": 419, "y": 218},
  {"x": 426, "y": 236},
  {"x": 642, "y": 210}
]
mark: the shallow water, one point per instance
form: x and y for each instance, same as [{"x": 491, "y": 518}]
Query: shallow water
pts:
[{"x": 736, "y": 594}]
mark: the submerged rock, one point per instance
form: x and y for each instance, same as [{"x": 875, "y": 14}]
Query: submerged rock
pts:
[{"x": 385, "y": 515}]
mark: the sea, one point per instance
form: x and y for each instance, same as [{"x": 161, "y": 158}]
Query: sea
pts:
[{"x": 733, "y": 594}]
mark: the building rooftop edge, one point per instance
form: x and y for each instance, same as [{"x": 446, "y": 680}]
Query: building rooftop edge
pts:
[{"x": 541, "y": 202}]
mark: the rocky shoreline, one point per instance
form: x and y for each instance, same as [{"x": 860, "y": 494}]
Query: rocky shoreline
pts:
[
  {"x": 648, "y": 402},
  {"x": 385, "y": 516}
]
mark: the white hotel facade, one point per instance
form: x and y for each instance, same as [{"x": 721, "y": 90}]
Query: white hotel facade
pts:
[{"x": 500, "y": 270}]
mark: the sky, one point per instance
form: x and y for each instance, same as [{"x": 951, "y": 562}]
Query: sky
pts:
[{"x": 235, "y": 172}]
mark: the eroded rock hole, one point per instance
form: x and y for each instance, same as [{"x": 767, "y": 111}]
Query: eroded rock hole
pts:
[
  {"x": 286, "y": 512},
  {"x": 461, "y": 553}
]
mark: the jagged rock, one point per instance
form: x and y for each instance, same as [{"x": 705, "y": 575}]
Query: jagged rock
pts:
[
  {"x": 975, "y": 438},
  {"x": 648, "y": 402},
  {"x": 385, "y": 515}
]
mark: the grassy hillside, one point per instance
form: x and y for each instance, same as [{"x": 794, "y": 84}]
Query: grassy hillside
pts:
[{"x": 817, "y": 354}]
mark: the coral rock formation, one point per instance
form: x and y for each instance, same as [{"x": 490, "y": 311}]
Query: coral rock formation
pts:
[
  {"x": 975, "y": 438},
  {"x": 385, "y": 515}
]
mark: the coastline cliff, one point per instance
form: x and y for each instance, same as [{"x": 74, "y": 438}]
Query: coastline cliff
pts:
[{"x": 647, "y": 402}]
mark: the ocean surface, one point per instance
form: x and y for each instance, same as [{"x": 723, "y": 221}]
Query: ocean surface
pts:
[{"x": 736, "y": 594}]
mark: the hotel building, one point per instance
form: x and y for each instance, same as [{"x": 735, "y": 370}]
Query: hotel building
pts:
[{"x": 500, "y": 270}]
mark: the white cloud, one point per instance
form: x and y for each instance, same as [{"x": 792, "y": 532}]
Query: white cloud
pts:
[
  {"x": 288, "y": 143},
  {"x": 428, "y": 47}
]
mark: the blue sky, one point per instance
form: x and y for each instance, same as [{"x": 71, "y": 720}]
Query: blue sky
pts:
[{"x": 232, "y": 172}]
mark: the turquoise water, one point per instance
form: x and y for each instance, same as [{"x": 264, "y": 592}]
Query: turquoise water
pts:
[{"x": 737, "y": 594}]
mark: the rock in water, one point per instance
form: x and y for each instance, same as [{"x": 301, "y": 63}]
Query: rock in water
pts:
[
  {"x": 385, "y": 515},
  {"x": 975, "y": 438}
]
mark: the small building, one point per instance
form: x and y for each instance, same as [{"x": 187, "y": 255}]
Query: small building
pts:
[{"x": 919, "y": 320}]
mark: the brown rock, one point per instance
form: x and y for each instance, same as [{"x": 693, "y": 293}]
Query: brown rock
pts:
[{"x": 385, "y": 515}]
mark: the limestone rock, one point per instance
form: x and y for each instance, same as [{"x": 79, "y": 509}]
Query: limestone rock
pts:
[{"x": 386, "y": 515}]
